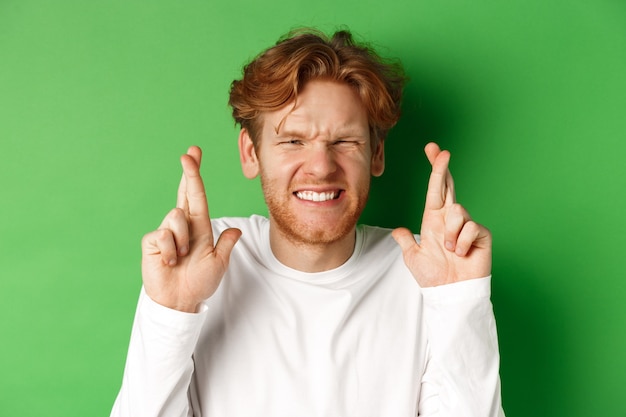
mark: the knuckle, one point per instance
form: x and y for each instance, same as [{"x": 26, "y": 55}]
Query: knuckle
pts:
[
  {"x": 163, "y": 234},
  {"x": 176, "y": 221},
  {"x": 150, "y": 237},
  {"x": 176, "y": 214},
  {"x": 473, "y": 227},
  {"x": 457, "y": 211},
  {"x": 145, "y": 240}
]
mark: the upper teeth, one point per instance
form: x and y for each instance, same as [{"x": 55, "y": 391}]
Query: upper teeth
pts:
[{"x": 313, "y": 196}]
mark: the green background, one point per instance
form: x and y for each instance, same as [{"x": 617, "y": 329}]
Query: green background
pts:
[{"x": 98, "y": 99}]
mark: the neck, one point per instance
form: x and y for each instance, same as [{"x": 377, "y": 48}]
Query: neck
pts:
[{"x": 311, "y": 257}]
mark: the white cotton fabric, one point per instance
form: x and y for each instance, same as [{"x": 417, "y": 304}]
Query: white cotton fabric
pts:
[{"x": 359, "y": 340}]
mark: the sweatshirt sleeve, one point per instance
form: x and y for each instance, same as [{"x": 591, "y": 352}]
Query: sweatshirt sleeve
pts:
[
  {"x": 462, "y": 374},
  {"x": 159, "y": 363}
]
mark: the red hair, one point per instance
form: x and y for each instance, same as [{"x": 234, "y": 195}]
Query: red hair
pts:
[{"x": 273, "y": 79}]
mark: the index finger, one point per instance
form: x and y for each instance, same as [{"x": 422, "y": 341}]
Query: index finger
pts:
[
  {"x": 181, "y": 200},
  {"x": 195, "y": 195},
  {"x": 440, "y": 185}
]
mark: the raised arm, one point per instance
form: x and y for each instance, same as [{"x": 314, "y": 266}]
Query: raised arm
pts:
[
  {"x": 462, "y": 375},
  {"x": 181, "y": 267}
]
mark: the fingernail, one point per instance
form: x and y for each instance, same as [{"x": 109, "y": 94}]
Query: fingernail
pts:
[
  {"x": 449, "y": 245},
  {"x": 172, "y": 262},
  {"x": 184, "y": 250}
]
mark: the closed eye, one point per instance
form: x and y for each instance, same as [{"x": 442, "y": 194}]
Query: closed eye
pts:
[
  {"x": 344, "y": 143},
  {"x": 291, "y": 142}
]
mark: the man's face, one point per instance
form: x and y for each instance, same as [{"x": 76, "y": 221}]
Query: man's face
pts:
[{"x": 315, "y": 161}]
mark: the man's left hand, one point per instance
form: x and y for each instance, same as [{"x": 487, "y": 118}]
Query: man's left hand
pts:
[{"x": 452, "y": 247}]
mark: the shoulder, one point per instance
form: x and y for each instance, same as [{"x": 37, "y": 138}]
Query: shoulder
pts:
[
  {"x": 376, "y": 246},
  {"x": 252, "y": 225},
  {"x": 378, "y": 237},
  {"x": 254, "y": 239}
]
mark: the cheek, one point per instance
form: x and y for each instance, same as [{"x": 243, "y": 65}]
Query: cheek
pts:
[
  {"x": 276, "y": 175},
  {"x": 277, "y": 168},
  {"x": 358, "y": 167}
]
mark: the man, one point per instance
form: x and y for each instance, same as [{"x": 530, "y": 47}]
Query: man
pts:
[{"x": 305, "y": 313}]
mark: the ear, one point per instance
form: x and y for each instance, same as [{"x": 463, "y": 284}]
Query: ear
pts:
[
  {"x": 378, "y": 159},
  {"x": 247, "y": 155}
]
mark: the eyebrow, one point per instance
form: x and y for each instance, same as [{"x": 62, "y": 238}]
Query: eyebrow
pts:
[
  {"x": 290, "y": 133},
  {"x": 348, "y": 133}
]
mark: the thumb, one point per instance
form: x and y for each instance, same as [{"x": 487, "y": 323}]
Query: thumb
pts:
[
  {"x": 405, "y": 239},
  {"x": 226, "y": 242}
]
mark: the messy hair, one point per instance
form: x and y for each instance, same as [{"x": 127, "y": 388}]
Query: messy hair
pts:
[{"x": 275, "y": 77}]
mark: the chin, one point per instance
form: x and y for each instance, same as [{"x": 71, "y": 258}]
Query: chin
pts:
[{"x": 314, "y": 233}]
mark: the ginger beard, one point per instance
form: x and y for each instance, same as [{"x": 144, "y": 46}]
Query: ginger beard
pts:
[{"x": 321, "y": 228}]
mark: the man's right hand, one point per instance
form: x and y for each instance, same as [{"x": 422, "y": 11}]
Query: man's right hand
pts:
[{"x": 181, "y": 267}]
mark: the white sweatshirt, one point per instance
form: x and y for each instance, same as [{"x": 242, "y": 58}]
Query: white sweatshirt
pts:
[{"x": 359, "y": 340}]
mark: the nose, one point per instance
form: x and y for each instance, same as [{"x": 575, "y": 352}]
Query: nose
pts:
[{"x": 320, "y": 161}]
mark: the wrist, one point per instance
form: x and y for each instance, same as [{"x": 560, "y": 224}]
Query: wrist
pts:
[{"x": 172, "y": 303}]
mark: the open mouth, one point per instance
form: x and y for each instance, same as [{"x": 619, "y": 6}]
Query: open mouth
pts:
[{"x": 318, "y": 197}]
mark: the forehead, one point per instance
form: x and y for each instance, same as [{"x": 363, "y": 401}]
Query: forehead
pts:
[{"x": 322, "y": 108}]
